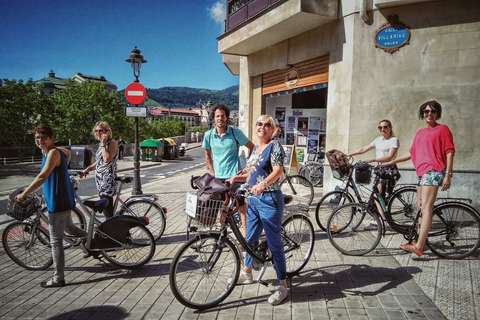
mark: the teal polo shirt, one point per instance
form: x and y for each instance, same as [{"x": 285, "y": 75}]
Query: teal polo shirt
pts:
[{"x": 225, "y": 151}]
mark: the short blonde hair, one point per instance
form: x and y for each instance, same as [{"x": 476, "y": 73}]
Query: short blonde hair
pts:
[
  {"x": 266, "y": 117},
  {"x": 104, "y": 125}
]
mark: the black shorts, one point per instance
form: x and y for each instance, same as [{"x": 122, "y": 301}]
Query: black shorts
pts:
[{"x": 233, "y": 188}]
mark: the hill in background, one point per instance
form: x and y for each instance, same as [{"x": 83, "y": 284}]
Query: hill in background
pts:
[{"x": 184, "y": 97}]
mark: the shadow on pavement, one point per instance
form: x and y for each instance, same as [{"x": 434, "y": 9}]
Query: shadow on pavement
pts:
[{"x": 107, "y": 312}]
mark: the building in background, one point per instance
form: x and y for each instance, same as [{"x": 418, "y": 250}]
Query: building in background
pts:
[
  {"x": 332, "y": 69},
  {"x": 52, "y": 82},
  {"x": 191, "y": 117}
]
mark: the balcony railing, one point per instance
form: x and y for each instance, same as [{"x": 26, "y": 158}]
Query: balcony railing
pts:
[{"x": 239, "y": 11}]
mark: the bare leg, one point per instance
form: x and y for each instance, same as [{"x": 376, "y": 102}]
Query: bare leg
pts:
[{"x": 428, "y": 195}]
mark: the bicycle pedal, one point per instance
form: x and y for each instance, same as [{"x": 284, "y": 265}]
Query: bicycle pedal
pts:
[{"x": 263, "y": 282}]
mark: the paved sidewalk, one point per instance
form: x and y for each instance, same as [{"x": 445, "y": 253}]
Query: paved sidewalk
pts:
[{"x": 386, "y": 284}]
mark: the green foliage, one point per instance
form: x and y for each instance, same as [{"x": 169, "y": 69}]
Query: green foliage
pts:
[
  {"x": 164, "y": 129},
  {"x": 80, "y": 106},
  {"x": 23, "y": 106},
  {"x": 183, "y": 97}
]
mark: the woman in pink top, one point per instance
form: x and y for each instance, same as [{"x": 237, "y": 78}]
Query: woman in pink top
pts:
[{"x": 432, "y": 154}]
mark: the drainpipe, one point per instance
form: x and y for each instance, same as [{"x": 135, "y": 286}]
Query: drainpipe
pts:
[{"x": 363, "y": 10}]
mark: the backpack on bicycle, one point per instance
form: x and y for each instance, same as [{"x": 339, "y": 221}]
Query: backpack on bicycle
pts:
[{"x": 211, "y": 194}]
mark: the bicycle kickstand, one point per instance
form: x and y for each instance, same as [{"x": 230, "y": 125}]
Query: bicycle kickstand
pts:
[{"x": 261, "y": 273}]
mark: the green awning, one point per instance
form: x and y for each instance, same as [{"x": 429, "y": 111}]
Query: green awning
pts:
[{"x": 151, "y": 143}]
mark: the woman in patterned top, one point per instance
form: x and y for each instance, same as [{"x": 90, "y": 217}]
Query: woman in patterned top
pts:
[
  {"x": 265, "y": 203},
  {"x": 105, "y": 165}
]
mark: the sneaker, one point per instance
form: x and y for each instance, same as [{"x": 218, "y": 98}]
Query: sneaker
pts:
[
  {"x": 371, "y": 227},
  {"x": 278, "y": 296},
  {"x": 243, "y": 278}
]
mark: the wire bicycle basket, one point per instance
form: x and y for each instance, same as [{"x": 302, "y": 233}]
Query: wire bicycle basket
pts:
[
  {"x": 21, "y": 210},
  {"x": 205, "y": 212}
]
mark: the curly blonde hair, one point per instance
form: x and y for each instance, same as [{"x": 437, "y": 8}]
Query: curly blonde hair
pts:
[{"x": 104, "y": 126}]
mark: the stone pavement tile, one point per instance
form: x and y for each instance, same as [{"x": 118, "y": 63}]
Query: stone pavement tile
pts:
[
  {"x": 434, "y": 314},
  {"x": 388, "y": 302},
  {"x": 416, "y": 315},
  {"x": 376, "y": 313},
  {"x": 395, "y": 314},
  {"x": 424, "y": 302},
  {"x": 412, "y": 288},
  {"x": 100, "y": 315},
  {"x": 352, "y": 302},
  {"x": 407, "y": 302},
  {"x": 334, "y": 300},
  {"x": 264, "y": 312},
  {"x": 82, "y": 315},
  {"x": 357, "y": 314},
  {"x": 370, "y": 301},
  {"x": 338, "y": 314}
]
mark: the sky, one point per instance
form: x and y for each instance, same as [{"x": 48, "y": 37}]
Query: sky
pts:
[{"x": 94, "y": 37}]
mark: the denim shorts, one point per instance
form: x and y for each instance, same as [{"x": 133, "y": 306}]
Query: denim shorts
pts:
[{"x": 431, "y": 178}]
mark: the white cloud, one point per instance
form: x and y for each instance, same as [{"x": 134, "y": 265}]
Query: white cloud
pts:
[{"x": 217, "y": 12}]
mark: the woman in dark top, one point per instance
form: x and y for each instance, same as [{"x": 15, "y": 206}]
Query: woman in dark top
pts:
[
  {"x": 265, "y": 203},
  {"x": 59, "y": 197}
]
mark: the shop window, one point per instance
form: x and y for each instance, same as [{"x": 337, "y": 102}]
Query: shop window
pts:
[{"x": 313, "y": 99}]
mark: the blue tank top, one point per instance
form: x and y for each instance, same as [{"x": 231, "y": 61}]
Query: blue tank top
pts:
[{"x": 57, "y": 189}]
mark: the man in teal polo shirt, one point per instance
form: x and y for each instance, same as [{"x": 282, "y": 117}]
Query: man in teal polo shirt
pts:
[{"x": 221, "y": 146}]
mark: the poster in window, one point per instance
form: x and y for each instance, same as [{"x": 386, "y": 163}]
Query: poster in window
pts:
[
  {"x": 291, "y": 124},
  {"x": 312, "y": 146},
  {"x": 301, "y": 140},
  {"x": 297, "y": 112},
  {"x": 302, "y": 124},
  {"x": 322, "y": 113},
  {"x": 300, "y": 154},
  {"x": 280, "y": 114},
  {"x": 313, "y": 134},
  {"x": 314, "y": 123},
  {"x": 323, "y": 139},
  {"x": 290, "y": 138}
]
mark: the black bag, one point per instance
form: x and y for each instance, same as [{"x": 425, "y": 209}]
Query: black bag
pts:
[
  {"x": 363, "y": 173},
  {"x": 211, "y": 194}
]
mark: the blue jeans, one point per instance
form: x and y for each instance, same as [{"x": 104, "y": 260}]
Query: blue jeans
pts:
[
  {"x": 265, "y": 212},
  {"x": 58, "y": 222}
]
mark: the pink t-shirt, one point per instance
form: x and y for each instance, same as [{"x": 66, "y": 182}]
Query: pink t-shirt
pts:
[{"x": 430, "y": 147}]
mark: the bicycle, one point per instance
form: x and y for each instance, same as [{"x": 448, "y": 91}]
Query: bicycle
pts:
[
  {"x": 201, "y": 268},
  {"x": 312, "y": 170},
  {"x": 144, "y": 205},
  {"x": 455, "y": 232},
  {"x": 123, "y": 240},
  {"x": 298, "y": 187},
  {"x": 402, "y": 202}
]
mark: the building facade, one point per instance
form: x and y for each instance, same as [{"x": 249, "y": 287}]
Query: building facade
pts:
[
  {"x": 329, "y": 73},
  {"x": 52, "y": 82},
  {"x": 191, "y": 117}
]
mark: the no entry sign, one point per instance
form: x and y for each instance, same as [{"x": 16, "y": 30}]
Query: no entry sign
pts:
[{"x": 135, "y": 93}]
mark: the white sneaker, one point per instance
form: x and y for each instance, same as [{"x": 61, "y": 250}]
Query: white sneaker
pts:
[
  {"x": 243, "y": 278},
  {"x": 371, "y": 227},
  {"x": 278, "y": 296}
]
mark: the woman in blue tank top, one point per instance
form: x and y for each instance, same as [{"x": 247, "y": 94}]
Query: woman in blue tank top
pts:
[
  {"x": 265, "y": 203},
  {"x": 59, "y": 197}
]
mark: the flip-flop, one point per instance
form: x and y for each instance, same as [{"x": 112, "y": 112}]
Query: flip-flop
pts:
[
  {"x": 52, "y": 284},
  {"x": 412, "y": 248}
]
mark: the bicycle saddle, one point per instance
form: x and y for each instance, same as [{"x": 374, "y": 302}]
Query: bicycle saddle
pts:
[
  {"x": 98, "y": 205},
  {"x": 124, "y": 179}
]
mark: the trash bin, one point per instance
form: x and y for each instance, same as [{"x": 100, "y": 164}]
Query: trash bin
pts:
[
  {"x": 169, "y": 153},
  {"x": 151, "y": 150},
  {"x": 81, "y": 157}
]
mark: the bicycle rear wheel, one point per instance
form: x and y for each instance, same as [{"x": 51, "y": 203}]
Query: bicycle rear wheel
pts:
[
  {"x": 314, "y": 174},
  {"x": 347, "y": 232},
  {"x": 455, "y": 231},
  {"x": 137, "y": 250},
  {"x": 402, "y": 208},
  {"x": 200, "y": 271},
  {"x": 299, "y": 188},
  {"x": 329, "y": 203},
  {"x": 149, "y": 209},
  {"x": 78, "y": 220},
  {"x": 298, "y": 238},
  {"x": 30, "y": 250}
]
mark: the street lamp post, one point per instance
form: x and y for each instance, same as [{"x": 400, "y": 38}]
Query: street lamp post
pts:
[{"x": 136, "y": 60}]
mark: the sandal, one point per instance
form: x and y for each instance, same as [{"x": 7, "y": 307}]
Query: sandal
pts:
[
  {"x": 412, "y": 248},
  {"x": 52, "y": 284}
]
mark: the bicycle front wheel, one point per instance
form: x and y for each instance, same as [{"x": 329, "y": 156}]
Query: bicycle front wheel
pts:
[
  {"x": 329, "y": 203},
  {"x": 149, "y": 209},
  {"x": 455, "y": 231},
  {"x": 299, "y": 188},
  {"x": 298, "y": 239},
  {"x": 402, "y": 208},
  {"x": 30, "y": 250},
  {"x": 348, "y": 233},
  {"x": 137, "y": 249},
  {"x": 204, "y": 272},
  {"x": 314, "y": 174}
]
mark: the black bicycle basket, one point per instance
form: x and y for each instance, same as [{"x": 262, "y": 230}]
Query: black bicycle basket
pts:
[
  {"x": 363, "y": 173},
  {"x": 21, "y": 210}
]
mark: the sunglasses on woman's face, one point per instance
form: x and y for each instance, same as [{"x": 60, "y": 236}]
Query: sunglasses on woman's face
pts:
[
  {"x": 383, "y": 127},
  {"x": 264, "y": 124},
  {"x": 427, "y": 111}
]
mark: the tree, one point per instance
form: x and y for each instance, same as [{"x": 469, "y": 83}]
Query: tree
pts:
[
  {"x": 80, "y": 106},
  {"x": 23, "y": 106},
  {"x": 171, "y": 127}
]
